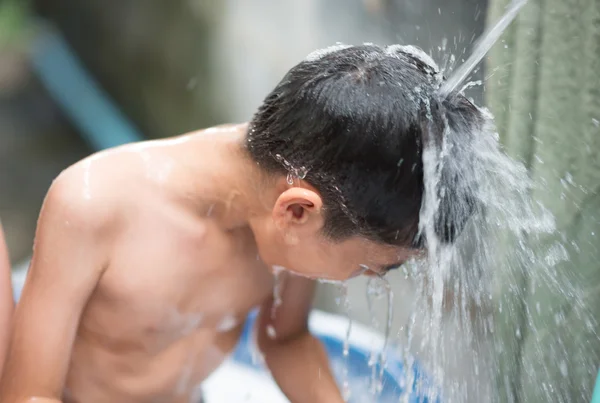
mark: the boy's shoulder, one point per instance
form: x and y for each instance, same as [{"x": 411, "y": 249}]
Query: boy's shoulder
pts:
[{"x": 83, "y": 195}]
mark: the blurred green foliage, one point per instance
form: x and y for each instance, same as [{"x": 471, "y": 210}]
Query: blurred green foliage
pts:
[{"x": 14, "y": 22}]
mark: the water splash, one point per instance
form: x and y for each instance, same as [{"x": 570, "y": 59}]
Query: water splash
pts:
[
  {"x": 277, "y": 290},
  {"x": 488, "y": 39},
  {"x": 344, "y": 301},
  {"x": 320, "y": 53},
  {"x": 470, "y": 84},
  {"x": 432, "y": 169},
  {"x": 293, "y": 172},
  {"x": 488, "y": 292},
  {"x": 377, "y": 288},
  {"x": 415, "y": 52},
  {"x": 227, "y": 323}
]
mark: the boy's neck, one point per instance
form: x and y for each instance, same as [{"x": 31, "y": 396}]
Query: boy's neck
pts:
[{"x": 227, "y": 175}]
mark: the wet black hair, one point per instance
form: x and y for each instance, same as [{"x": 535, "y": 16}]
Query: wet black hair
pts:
[{"x": 353, "y": 121}]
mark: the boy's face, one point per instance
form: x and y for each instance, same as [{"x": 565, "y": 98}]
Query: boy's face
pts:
[
  {"x": 320, "y": 258},
  {"x": 292, "y": 238}
]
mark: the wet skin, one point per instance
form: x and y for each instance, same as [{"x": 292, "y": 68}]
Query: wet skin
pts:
[{"x": 148, "y": 258}]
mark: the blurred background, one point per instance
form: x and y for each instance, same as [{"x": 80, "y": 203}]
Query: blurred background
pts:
[{"x": 168, "y": 67}]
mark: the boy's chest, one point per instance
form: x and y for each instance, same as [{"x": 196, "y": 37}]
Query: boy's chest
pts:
[{"x": 173, "y": 287}]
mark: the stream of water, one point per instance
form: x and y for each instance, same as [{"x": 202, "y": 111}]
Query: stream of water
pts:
[
  {"x": 379, "y": 287},
  {"x": 482, "y": 47},
  {"x": 486, "y": 292}
]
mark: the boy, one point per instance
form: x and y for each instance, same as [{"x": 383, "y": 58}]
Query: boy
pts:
[{"x": 148, "y": 257}]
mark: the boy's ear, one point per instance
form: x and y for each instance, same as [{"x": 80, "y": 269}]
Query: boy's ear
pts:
[{"x": 298, "y": 212}]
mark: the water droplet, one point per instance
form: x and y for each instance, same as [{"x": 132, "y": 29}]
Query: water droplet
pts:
[
  {"x": 277, "y": 290},
  {"x": 569, "y": 178},
  {"x": 346, "y": 392},
  {"x": 227, "y": 323},
  {"x": 596, "y": 122},
  {"x": 87, "y": 194},
  {"x": 559, "y": 318},
  {"x": 210, "y": 210},
  {"x": 320, "y": 53},
  {"x": 301, "y": 172},
  {"x": 377, "y": 288},
  {"x": 564, "y": 369}
]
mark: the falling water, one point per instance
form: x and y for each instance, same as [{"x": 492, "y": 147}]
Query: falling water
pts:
[
  {"x": 483, "y": 46},
  {"x": 377, "y": 288},
  {"x": 277, "y": 301},
  {"x": 345, "y": 302},
  {"x": 481, "y": 295},
  {"x": 277, "y": 289},
  {"x": 472, "y": 297},
  {"x": 477, "y": 166}
]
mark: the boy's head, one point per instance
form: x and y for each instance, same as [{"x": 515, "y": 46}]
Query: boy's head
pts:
[{"x": 342, "y": 136}]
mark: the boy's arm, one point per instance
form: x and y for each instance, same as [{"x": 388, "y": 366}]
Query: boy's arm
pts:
[
  {"x": 296, "y": 359},
  {"x": 67, "y": 263},
  {"x": 6, "y": 299}
]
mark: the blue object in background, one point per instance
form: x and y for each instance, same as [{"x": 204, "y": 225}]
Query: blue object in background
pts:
[
  {"x": 358, "y": 368},
  {"x": 90, "y": 109},
  {"x": 596, "y": 393}
]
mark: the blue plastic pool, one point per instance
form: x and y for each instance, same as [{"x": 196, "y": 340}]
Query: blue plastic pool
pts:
[{"x": 331, "y": 331}]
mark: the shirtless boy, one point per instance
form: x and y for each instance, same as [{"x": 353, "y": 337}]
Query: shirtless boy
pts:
[{"x": 148, "y": 257}]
